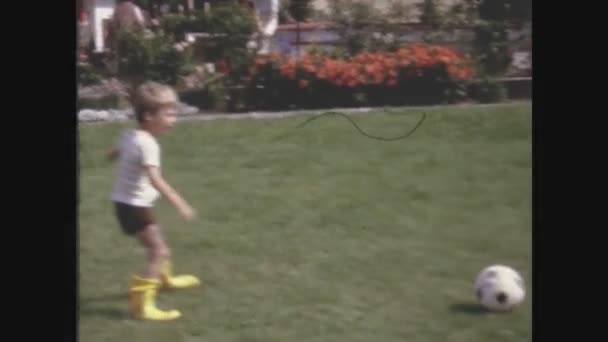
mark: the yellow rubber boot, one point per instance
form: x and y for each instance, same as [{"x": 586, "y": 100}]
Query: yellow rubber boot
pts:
[
  {"x": 170, "y": 281},
  {"x": 142, "y": 297}
]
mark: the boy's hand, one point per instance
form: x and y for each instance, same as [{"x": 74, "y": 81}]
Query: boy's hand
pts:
[
  {"x": 112, "y": 154},
  {"x": 169, "y": 193},
  {"x": 186, "y": 212}
]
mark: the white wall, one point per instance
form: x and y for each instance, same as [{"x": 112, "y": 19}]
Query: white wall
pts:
[
  {"x": 383, "y": 4},
  {"x": 98, "y": 11}
]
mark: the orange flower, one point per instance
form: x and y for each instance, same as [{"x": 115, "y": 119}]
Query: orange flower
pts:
[
  {"x": 463, "y": 73},
  {"x": 275, "y": 56},
  {"x": 370, "y": 69},
  {"x": 445, "y": 59},
  {"x": 307, "y": 59},
  {"x": 288, "y": 70},
  {"x": 390, "y": 63},
  {"x": 378, "y": 78},
  {"x": 308, "y": 68},
  {"x": 261, "y": 61},
  {"x": 451, "y": 68}
]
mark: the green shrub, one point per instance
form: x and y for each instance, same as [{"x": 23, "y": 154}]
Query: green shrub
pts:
[
  {"x": 430, "y": 14},
  {"x": 140, "y": 57},
  {"x": 506, "y": 10},
  {"x": 236, "y": 25},
  {"x": 487, "y": 90},
  {"x": 491, "y": 47},
  {"x": 355, "y": 22},
  {"x": 230, "y": 25},
  {"x": 300, "y": 10},
  {"x": 87, "y": 74},
  {"x": 212, "y": 97},
  {"x": 106, "y": 102},
  {"x": 176, "y": 25}
]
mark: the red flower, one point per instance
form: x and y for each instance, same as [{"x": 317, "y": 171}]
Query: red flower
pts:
[
  {"x": 366, "y": 68},
  {"x": 223, "y": 67},
  {"x": 369, "y": 69},
  {"x": 444, "y": 59},
  {"x": 392, "y": 82},
  {"x": 275, "y": 56},
  {"x": 261, "y": 61},
  {"x": 308, "y": 67}
]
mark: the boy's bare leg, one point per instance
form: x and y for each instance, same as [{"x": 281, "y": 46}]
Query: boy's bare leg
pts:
[
  {"x": 144, "y": 289},
  {"x": 158, "y": 264},
  {"x": 157, "y": 250}
]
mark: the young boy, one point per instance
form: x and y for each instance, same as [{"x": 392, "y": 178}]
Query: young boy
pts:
[{"x": 137, "y": 186}]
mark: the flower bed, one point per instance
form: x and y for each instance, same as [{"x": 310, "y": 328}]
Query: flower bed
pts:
[{"x": 415, "y": 74}]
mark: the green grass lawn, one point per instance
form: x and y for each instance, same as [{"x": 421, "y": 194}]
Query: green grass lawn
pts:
[{"x": 322, "y": 235}]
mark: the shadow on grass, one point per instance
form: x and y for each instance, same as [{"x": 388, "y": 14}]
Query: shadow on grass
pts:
[
  {"x": 109, "y": 297},
  {"x": 469, "y": 309},
  {"x": 111, "y": 313},
  {"x": 99, "y": 306}
]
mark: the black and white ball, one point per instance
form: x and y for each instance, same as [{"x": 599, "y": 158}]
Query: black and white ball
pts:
[{"x": 499, "y": 288}]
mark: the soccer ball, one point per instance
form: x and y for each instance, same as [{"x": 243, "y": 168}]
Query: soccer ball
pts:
[{"x": 499, "y": 288}]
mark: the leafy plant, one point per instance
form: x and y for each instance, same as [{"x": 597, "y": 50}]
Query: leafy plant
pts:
[
  {"x": 300, "y": 10},
  {"x": 87, "y": 74},
  {"x": 430, "y": 14},
  {"x": 491, "y": 46},
  {"x": 354, "y": 21},
  {"x": 488, "y": 90},
  {"x": 142, "y": 57}
]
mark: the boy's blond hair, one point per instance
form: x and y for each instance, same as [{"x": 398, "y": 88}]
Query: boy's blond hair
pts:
[{"x": 151, "y": 96}]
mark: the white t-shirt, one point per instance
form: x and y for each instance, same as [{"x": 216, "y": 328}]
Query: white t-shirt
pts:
[{"x": 137, "y": 149}]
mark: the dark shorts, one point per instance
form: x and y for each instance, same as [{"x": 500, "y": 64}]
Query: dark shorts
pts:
[{"x": 133, "y": 219}]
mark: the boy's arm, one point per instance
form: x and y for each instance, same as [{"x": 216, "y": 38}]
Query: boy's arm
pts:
[{"x": 168, "y": 192}]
